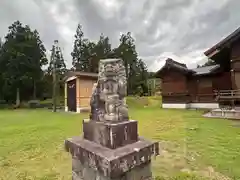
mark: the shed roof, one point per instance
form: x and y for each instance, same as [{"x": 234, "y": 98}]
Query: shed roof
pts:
[
  {"x": 87, "y": 74},
  {"x": 80, "y": 74},
  {"x": 226, "y": 41}
]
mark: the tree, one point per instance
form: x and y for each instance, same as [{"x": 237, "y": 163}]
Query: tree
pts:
[
  {"x": 57, "y": 58},
  {"x": 37, "y": 53},
  {"x": 79, "y": 61},
  {"x": 46, "y": 85},
  {"x": 22, "y": 57},
  {"x": 142, "y": 78},
  {"x": 103, "y": 47},
  {"x": 1, "y": 78},
  {"x": 101, "y": 50},
  {"x": 15, "y": 62},
  {"x": 57, "y": 70},
  {"x": 127, "y": 51},
  {"x": 86, "y": 56},
  {"x": 1, "y": 43},
  {"x": 89, "y": 57},
  {"x": 209, "y": 63}
]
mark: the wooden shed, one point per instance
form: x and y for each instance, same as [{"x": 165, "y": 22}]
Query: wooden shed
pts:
[{"x": 78, "y": 91}]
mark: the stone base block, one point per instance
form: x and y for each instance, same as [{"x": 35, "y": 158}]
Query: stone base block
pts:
[
  {"x": 111, "y": 135},
  {"x": 82, "y": 172},
  {"x": 111, "y": 164}
]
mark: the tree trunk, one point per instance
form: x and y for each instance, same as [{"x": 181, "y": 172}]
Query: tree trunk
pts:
[
  {"x": 54, "y": 90},
  {"x": 18, "y": 98},
  {"x": 34, "y": 90}
]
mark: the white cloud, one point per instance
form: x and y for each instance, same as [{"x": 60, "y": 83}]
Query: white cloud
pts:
[
  {"x": 191, "y": 59},
  {"x": 180, "y": 29},
  {"x": 108, "y": 8}
]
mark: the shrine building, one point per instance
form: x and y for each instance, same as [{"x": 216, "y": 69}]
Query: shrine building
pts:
[{"x": 204, "y": 87}]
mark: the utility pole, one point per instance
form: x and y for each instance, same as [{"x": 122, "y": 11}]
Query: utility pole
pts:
[{"x": 55, "y": 48}]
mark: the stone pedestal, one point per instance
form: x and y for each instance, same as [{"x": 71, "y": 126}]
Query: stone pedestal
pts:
[
  {"x": 110, "y": 148},
  {"x": 110, "y": 134},
  {"x": 111, "y": 151}
]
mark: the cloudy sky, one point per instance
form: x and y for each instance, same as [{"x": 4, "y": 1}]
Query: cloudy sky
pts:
[{"x": 180, "y": 29}]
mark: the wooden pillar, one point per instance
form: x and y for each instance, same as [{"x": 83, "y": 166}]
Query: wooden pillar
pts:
[
  {"x": 78, "y": 95},
  {"x": 65, "y": 96},
  {"x": 197, "y": 94},
  {"x": 233, "y": 80},
  {"x": 232, "y": 75}
]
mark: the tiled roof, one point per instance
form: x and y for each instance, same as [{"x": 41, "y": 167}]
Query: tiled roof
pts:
[
  {"x": 183, "y": 68},
  {"x": 170, "y": 63},
  {"x": 176, "y": 64},
  {"x": 205, "y": 70},
  {"x": 229, "y": 39}
]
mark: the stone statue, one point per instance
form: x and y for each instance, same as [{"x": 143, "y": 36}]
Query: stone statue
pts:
[
  {"x": 108, "y": 98},
  {"x": 110, "y": 148},
  {"x": 94, "y": 103}
]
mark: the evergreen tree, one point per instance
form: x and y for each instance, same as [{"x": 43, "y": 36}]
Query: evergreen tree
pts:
[
  {"x": 37, "y": 54},
  {"x": 103, "y": 47},
  {"x": 209, "y": 63},
  {"x": 90, "y": 55},
  {"x": 1, "y": 43},
  {"x": 57, "y": 58},
  {"x": 21, "y": 60},
  {"x": 79, "y": 61},
  {"x": 23, "y": 54},
  {"x": 1, "y": 78},
  {"x": 142, "y": 78},
  {"x": 101, "y": 50},
  {"x": 57, "y": 62},
  {"x": 127, "y": 51}
]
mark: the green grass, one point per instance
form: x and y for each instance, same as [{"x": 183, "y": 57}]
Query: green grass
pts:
[{"x": 192, "y": 147}]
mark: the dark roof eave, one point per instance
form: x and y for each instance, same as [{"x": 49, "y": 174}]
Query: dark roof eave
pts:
[
  {"x": 216, "y": 48},
  {"x": 206, "y": 74},
  {"x": 80, "y": 74},
  {"x": 170, "y": 63},
  {"x": 159, "y": 73}
]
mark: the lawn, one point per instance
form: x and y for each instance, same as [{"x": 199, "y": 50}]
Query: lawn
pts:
[{"x": 192, "y": 147}]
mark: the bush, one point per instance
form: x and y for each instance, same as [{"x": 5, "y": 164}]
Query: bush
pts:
[
  {"x": 3, "y": 104},
  {"x": 34, "y": 104}
]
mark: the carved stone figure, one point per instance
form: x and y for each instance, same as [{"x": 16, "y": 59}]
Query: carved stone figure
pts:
[
  {"x": 110, "y": 148},
  {"x": 94, "y": 102},
  {"x": 108, "y": 98}
]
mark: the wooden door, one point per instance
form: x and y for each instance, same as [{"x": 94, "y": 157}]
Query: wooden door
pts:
[
  {"x": 193, "y": 87},
  {"x": 237, "y": 80},
  {"x": 85, "y": 92},
  {"x": 205, "y": 90},
  {"x": 71, "y": 95}
]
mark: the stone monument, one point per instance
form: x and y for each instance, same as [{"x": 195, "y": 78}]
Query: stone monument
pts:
[{"x": 110, "y": 148}]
